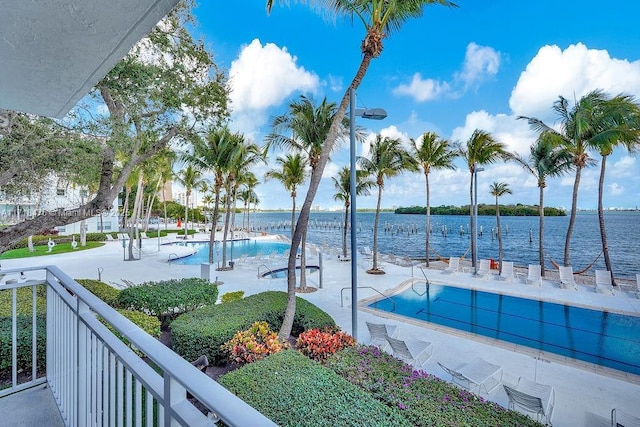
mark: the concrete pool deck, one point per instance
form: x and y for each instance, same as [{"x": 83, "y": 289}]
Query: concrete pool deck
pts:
[{"x": 585, "y": 395}]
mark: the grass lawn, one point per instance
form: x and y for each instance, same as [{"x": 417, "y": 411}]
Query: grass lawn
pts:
[{"x": 44, "y": 250}]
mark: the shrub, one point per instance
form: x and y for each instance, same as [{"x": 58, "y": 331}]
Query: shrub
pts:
[
  {"x": 181, "y": 232},
  {"x": 23, "y": 342},
  {"x": 255, "y": 343},
  {"x": 147, "y": 323},
  {"x": 292, "y": 390},
  {"x": 319, "y": 345},
  {"x": 43, "y": 240},
  {"x": 24, "y": 298},
  {"x": 424, "y": 400},
  {"x": 105, "y": 292},
  {"x": 232, "y": 296},
  {"x": 169, "y": 298},
  {"x": 203, "y": 331}
]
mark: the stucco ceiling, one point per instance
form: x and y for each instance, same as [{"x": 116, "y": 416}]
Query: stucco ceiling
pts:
[{"x": 53, "y": 51}]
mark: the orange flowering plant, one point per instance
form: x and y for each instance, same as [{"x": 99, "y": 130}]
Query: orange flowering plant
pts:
[
  {"x": 319, "y": 345},
  {"x": 255, "y": 343}
]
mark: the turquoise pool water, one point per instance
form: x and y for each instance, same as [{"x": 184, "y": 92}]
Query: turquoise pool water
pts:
[
  {"x": 281, "y": 273},
  {"x": 600, "y": 337},
  {"x": 239, "y": 247}
]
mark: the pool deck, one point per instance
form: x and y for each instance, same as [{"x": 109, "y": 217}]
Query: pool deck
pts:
[{"x": 585, "y": 393}]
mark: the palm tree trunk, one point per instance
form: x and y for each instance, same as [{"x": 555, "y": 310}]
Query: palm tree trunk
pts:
[
  {"x": 293, "y": 213},
  {"x": 227, "y": 217},
  {"x": 344, "y": 230},
  {"x": 472, "y": 225},
  {"x": 214, "y": 223},
  {"x": 603, "y": 232},
  {"x": 375, "y": 232},
  {"x": 572, "y": 218},
  {"x": 541, "y": 230},
  {"x": 303, "y": 264},
  {"x": 499, "y": 236},
  {"x": 428, "y": 225},
  {"x": 186, "y": 214},
  {"x": 314, "y": 183}
]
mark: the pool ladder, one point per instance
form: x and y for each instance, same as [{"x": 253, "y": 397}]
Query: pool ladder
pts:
[
  {"x": 367, "y": 287},
  {"x": 269, "y": 270}
]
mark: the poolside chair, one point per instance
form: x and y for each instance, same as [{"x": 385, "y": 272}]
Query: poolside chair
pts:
[
  {"x": 476, "y": 374},
  {"x": 534, "y": 275},
  {"x": 379, "y": 333},
  {"x": 566, "y": 278},
  {"x": 258, "y": 256},
  {"x": 619, "y": 418},
  {"x": 143, "y": 235},
  {"x": 532, "y": 397},
  {"x": 109, "y": 237},
  {"x": 484, "y": 269},
  {"x": 366, "y": 251},
  {"x": 454, "y": 266},
  {"x": 507, "y": 271},
  {"x": 128, "y": 283},
  {"x": 603, "y": 282},
  {"x": 637, "y": 290},
  {"x": 416, "y": 353}
]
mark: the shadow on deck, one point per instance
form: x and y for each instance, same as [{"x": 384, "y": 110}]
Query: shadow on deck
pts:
[{"x": 33, "y": 407}]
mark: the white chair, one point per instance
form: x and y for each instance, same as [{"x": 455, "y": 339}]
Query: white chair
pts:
[
  {"x": 484, "y": 269},
  {"x": 507, "y": 271},
  {"x": 379, "y": 333},
  {"x": 566, "y": 278},
  {"x": 534, "y": 275},
  {"x": 603, "y": 282},
  {"x": 109, "y": 237},
  {"x": 416, "y": 353},
  {"x": 532, "y": 397},
  {"x": 366, "y": 251},
  {"x": 476, "y": 374},
  {"x": 454, "y": 266},
  {"x": 619, "y": 418},
  {"x": 637, "y": 290}
]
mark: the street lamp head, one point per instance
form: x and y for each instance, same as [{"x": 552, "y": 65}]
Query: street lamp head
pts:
[{"x": 371, "y": 113}]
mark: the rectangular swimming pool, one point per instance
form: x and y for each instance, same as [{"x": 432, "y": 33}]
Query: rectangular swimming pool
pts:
[{"x": 600, "y": 337}]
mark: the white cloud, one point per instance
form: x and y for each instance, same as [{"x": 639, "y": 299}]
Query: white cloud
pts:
[
  {"x": 335, "y": 83},
  {"x": 572, "y": 73},
  {"x": 480, "y": 63},
  {"x": 623, "y": 168},
  {"x": 615, "y": 189}
]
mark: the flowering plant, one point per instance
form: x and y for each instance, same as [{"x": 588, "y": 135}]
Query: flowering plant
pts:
[
  {"x": 255, "y": 343},
  {"x": 319, "y": 345}
]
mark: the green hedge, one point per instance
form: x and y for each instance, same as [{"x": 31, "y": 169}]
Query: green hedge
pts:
[
  {"x": 149, "y": 324},
  {"x": 24, "y": 325},
  {"x": 203, "y": 331},
  {"x": 231, "y": 296},
  {"x": 292, "y": 390},
  {"x": 169, "y": 298},
  {"x": 424, "y": 399},
  {"x": 43, "y": 240},
  {"x": 189, "y": 231},
  {"x": 24, "y": 301},
  {"x": 105, "y": 292}
]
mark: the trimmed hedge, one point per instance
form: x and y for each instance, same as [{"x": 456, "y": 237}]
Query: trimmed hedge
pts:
[
  {"x": 43, "y": 240},
  {"x": 24, "y": 301},
  {"x": 168, "y": 298},
  {"x": 203, "y": 331},
  {"x": 231, "y": 296},
  {"x": 149, "y": 324},
  {"x": 24, "y": 325},
  {"x": 424, "y": 399},
  {"x": 105, "y": 292},
  {"x": 292, "y": 390}
]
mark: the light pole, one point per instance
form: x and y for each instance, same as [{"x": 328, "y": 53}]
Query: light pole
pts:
[
  {"x": 374, "y": 114},
  {"x": 474, "y": 232}
]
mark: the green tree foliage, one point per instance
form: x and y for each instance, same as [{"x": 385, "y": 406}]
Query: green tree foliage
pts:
[{"x": 483, "y": 210}]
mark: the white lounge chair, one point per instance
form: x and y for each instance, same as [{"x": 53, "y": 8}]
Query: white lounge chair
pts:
[
  {"x": 454, "y": 266},
  {"x": 366, "y": 251},
  {"x": 379, "y": 333},
  {"x": 603, "y": 282},
  {"x": 532, "y": 397},
  {"x": 566, "y": 278},
  {"x": 416, "y": 353},
  {"x": 109, "y": 237},
  {"x": 534, "y": 275},
  {"x": 484, "y": 269},
  {"x": 476, "y": 374},
  {"x": 637, "y": 290},
  {"x": 619, "y": 418},
  {"x": 507, "y": 271}
]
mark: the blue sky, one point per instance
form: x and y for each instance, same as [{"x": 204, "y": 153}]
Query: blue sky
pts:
[{"x": 451, "y": 71}]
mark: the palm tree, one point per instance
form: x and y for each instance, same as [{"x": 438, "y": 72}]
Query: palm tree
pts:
[
  {"x": 387, "y": 159},
  {"x": 499, "y": 189},
  {"x": 545, "y": 161},
  {"x": 380, "y": 19},
  {"x": 432, "y": 152},
  {"x": 191, "y": 178},
  {"x": 342, "y": 184},
  {"x": 481, "y": 149},
  {"x": 593, "y": 122},
  {"x": 249, "y": 182},
  {"x": 292, "y": 173}
]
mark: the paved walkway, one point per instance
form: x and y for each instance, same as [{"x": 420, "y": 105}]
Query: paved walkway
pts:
[{"x": 585, "y": 394}]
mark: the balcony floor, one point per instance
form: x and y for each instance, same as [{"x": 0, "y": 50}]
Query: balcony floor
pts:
[{"x": 28, "y": 408}]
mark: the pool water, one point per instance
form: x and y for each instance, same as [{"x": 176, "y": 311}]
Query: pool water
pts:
[
  {"x": 600, "y": 337},
  {"x": 239, "y": 248},
  {"x": 281, "y": 273}
]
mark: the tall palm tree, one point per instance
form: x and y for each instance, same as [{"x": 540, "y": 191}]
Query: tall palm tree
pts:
[
  {"x": 481, "y": 148},
  {"x": 499, "y": 189},
  {"x": 432, "y": 152},
  {"x": 591, "y": 123},
  {"x": 342, "y": 185},
  {"x": 292, "y": 173},
  {"x": 249, "y": 182},
  {"x": 387, "y": 159},
  {"x": 546, "y": 160},
  {"x": 380, "y": 19},
  {"x": 191, "y": 178}
]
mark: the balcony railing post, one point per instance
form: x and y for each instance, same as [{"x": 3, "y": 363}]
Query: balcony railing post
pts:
[{"x": 82, "y": 355}]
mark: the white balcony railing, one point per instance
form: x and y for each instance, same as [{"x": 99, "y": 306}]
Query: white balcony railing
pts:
[{"x": 96, "y": 379}]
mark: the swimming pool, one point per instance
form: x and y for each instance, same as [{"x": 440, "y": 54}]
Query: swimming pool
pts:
[
  {"x": 600, "y": 337},
  {"x": 281, "y": 273},
  {"x": 240, "y": 247}
]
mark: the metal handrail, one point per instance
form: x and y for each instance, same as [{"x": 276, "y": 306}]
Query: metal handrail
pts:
[
  {"x": 367, "y": 287},
  {"x": 269, "y": 270}
]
